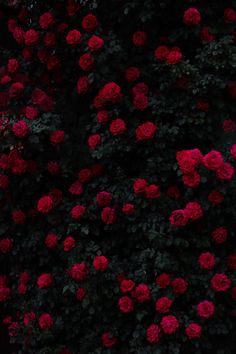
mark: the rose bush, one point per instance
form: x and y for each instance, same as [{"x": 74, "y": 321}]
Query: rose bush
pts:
[{"x": 117, "y": 181}]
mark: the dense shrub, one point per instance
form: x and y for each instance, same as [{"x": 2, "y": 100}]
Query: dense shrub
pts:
[{"x": 117, "y": 180}]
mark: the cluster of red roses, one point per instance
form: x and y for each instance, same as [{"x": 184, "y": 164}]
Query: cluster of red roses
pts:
[{"x": 24, "y": 100}]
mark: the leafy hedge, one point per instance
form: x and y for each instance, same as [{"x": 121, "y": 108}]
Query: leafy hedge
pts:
[{"x": 117, "y": 180}]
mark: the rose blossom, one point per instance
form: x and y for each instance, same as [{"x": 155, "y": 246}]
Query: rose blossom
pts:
[
  {"x": 44, "y": 280},
  {"x": 178, "y": 218},
  {"x": 45, "y": 321},
  {"x": 126, "y": 305},
  {"x": 163, "y": 304},
  {"x": 193, "y": 331},
  {"x": 220, "y": 282},
  {"x": 205, "y": 309},
  {"x": 153, "y": 333},
  {"x": 142, "y": 293},
  {"x": 100, "y": 263},
  {"x": 206, "y": 260},
  {"x": 169, "y": 324}
]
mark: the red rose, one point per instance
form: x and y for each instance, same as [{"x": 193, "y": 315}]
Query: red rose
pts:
[
  {"x": 6, "y": 245},
  {"x": 29, "y": 318},
  {"x": 163, "y": 280},
  {"x": 22, "y": 289},
  {"x": 89, "y": 23},
  {"x": 82, "y": 85},
  {"x": 80, "y": 294},
  {"x": 139, "y": 185},
  {"x": 4, "y": 294},
  {"x": 153, "y": 333},
  {"x": 76, "y": 188},
  {"x": 127, "y": 285},
  {"x": 18, "y": 216},
  {"x": 139, "y": 38},
  {"x": 57, "y": 137},
  {"x": 207, "y": 260},
  {"x": 16, "y": 90},
  {"x": 140, "y": 101},
  {"x": 174, "y": 57},
  {"x": 192, "y": 180},
  {"x": 219, "y": 235},
  {"x": 85, "y": 175},
  {"x": 205, "y": 309},
  {"x": 78, "y": 271},
  {"x": 186, "y": 161},
  {"x": 110, "y": 92},
  {"x": 31, "y": 37},
  {"x": 27, "y": 53},
  {"x": 50, "y": 41},
  {"x": 69, "y": 243},
  {"x": 77, "y": 212},
  {"x": 152, "y": 192},
  {"x": 132, "y": 74},
  {"x": 51, "y": 241},
  {"x": 94, "y": 140},
  {"x": 56, "y": 195},
  {"x": 220, "y": 282},
  {"x": 42, "y": 100},
  {"x": 73, "y": 37},
  {"x": 31, "y": 113},
  {"x": 206, "y": 35},
  {"x": 45, "y": 321},
  {"x": 225, "y": 172},
  {"x": 24, "y": 277},
  {"x": 140, "y": 88},
  {"x": 126, "y": 305},
  {"x": 53, "y": 168},
  {"x": 100, "y": 263},
  {"x": 117, "y": 127},
  {"x": 13, "y": 329},
  {"x": 108, "y": 216},
  {"x": 103, "y": 117},
  {"x": 142, "y": 293},
  {"x": 233, "y": 151},
  {"x": 192, "y": 17},
  {"x": 163, "y": 304},
  {"x": 46, "y": 20},
  {"x": 12, "y": 66},
  {"x": 213, "y": 160},
  {"x": 229, "y": 15},
  {"x": 179, "y": 286},
  {"x": 104, "y": 198},
  {"x": 95, "y": 43},
  {"x": 128, "y": 209},
  {"x": 178, "y": 218},
  {"x": 169, "y": 324},
  {"x": 45, "y": 205},
  {"x": 229, "y": 126},
  {"x": 45, "y": 281},
  {"x": 86, "y": 62},
  {"x": 216, "y": 197},
  {"x": 20, "y": 129},
  {"x": 4, "y": 181},
  {"x": 161, "y": 52},
  {"x": 231, "y": 261},
  {"x": 194, "y": 211},
  {"x": 19, "y": 35},
  {"x": 146, "y": 131},
  {"x": 108, "y": 341},
  {"x": 193, "y": 331}
]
